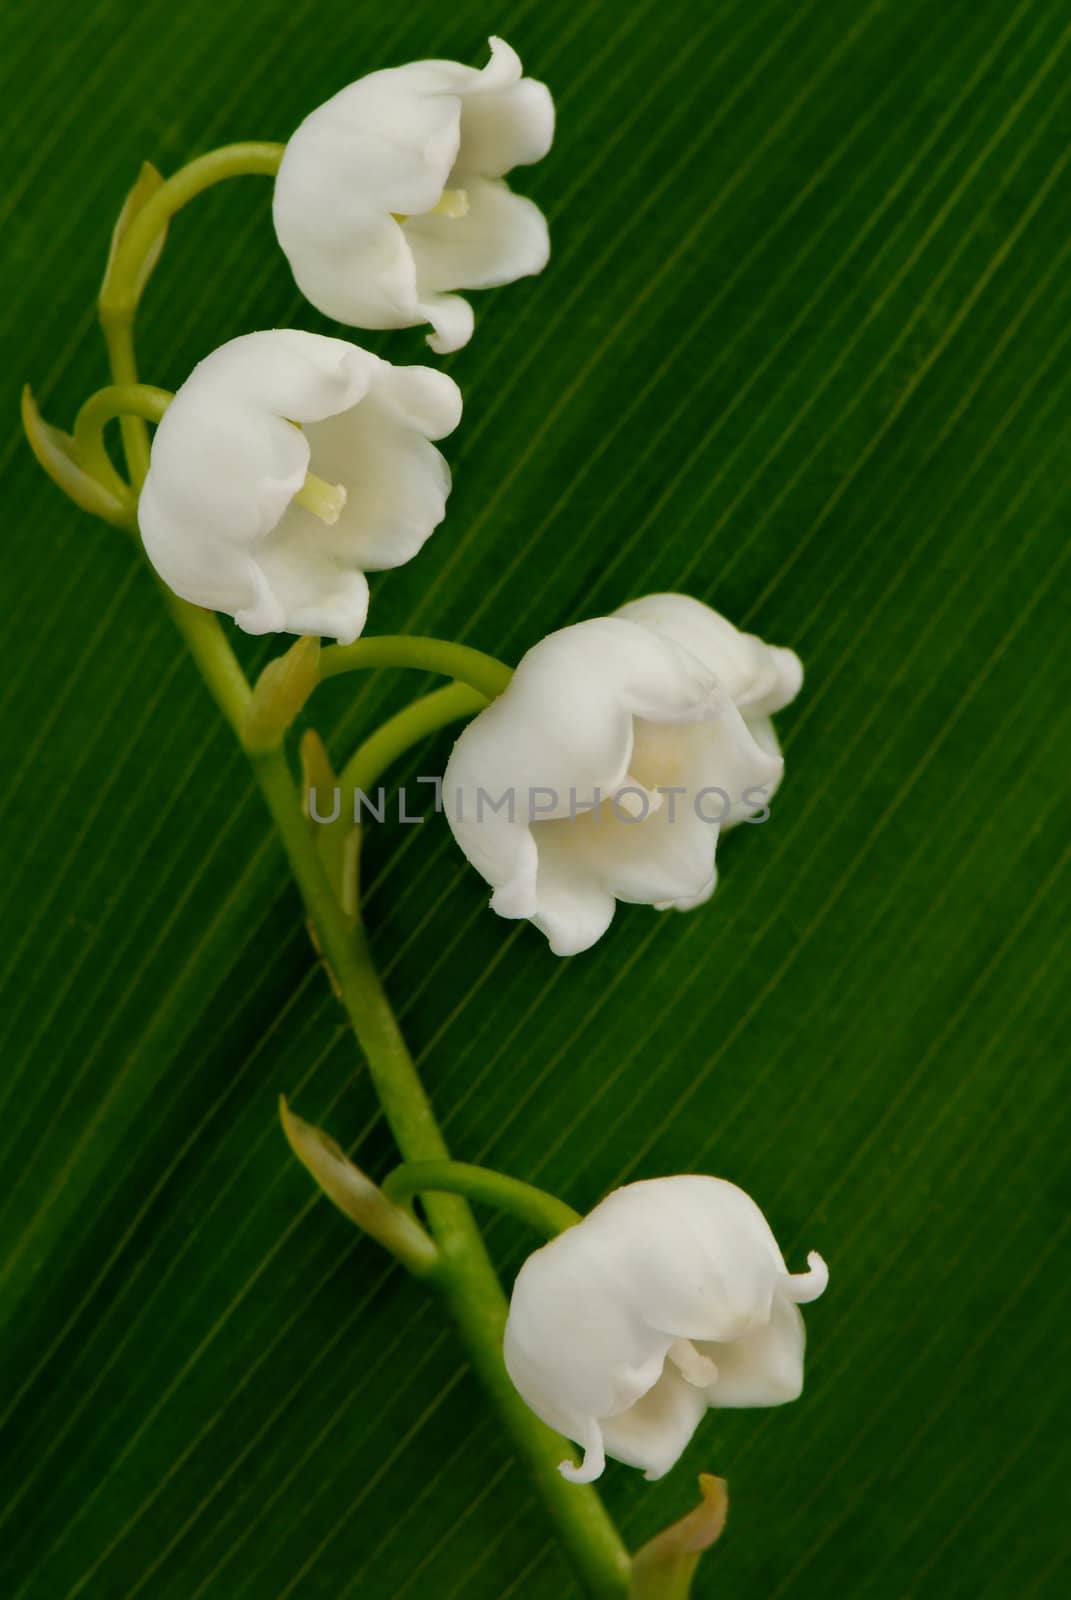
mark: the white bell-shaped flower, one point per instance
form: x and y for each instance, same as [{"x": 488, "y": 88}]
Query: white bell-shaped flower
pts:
[
  {"x": 286, "y": 467},
  {"x": 391, "y": 194},
  {"x": 671, "y": 1296},
  {"x": 606, "y": 770}
]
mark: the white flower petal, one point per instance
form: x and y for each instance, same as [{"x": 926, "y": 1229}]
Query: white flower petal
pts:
[
  {"x": 717, "y": 1277},
  {"x": 653, "y": 1433},
  {"x": 379, "y": 150},
  {"x": 765, "y": 1366},
  {"x": 453, "y": 77},
  {"x": 302, "y": 376},
  {"x": 386, "y": 143},
  {"x": 570, "y": 907},
  {"x": 584, "y": 866},
  {"x": 665, "y": 857},
  {"x": 513, "y": 127},
  {"x": 594, "y": 1462},
  {"x": 758, "y": 677},
  {"x": 738, "y": 761},
  {"x": 306, "y": 591},
  {"x": 501, "y": 237},
  {"x": 420, "y": 397},
  {"x": 573, "y": 1352},
  {"x": 230, "y": 417},
  {"x": 218, "y": 514},
  {"x": 397, "y": 485},
  {"x": 506, "y": 120},
  {"x": 451, "y": 318},
  {"x": 359, "y": 269}
]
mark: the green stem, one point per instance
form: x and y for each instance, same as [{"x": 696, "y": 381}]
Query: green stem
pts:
[
  {"x": 255, "y": 158},
  {"x": 216, "y": 661},
  {"x": 542, "y": 1211},
  {"x": 119, "y": 337},
  {"x": 398, "y": 734},
  {"x": 205, "y": 639},
  {"x": 467, "y": 1278},
  {"x": 481, "y": 672},
  {"x": 119, "y": 298},
  {"x": 117, "y": 400},
  {"x": 425, "y": 716}
]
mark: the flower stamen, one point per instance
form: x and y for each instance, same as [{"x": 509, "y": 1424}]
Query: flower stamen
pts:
[
  {"x": 452, "y": 203},
  {"x": 694, "y": 1368},
  {"x": 324, "y": 500}
]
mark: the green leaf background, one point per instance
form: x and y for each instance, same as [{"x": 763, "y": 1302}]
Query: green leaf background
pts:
[{"x": 802, "y": 350}]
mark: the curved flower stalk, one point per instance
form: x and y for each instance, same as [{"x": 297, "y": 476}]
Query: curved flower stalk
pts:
[
  {"x": 671, "y": 1296},
  {"x": 276, "y": 524},
  {"x": 391, "y": 194},
  {"x": 607, "y": 769}
]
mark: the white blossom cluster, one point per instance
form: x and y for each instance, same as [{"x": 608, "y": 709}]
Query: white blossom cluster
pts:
[{"x": 288, "y": 466}]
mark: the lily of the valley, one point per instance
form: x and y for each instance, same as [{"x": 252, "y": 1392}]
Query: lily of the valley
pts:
[
  {"x": 670, "y": 1297},
  {"x": 391, "y": 194},
  {"x": 286, "y": 467},
  {"x": 606, "y": 770}
]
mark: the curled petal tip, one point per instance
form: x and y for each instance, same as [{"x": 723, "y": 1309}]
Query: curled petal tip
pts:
[
  {"x": 593, "y": 1463},
  {"x": 805, "y": 1286}
]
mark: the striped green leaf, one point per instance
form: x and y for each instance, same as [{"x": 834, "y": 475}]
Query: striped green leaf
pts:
[{"x": 802, "y": 350}]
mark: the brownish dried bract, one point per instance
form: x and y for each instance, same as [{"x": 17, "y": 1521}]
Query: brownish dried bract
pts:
[
  {"x": 280, "y": 693},
  {"x": 392, "y": 1226},
  {"x": 663, "y": 1569}
]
